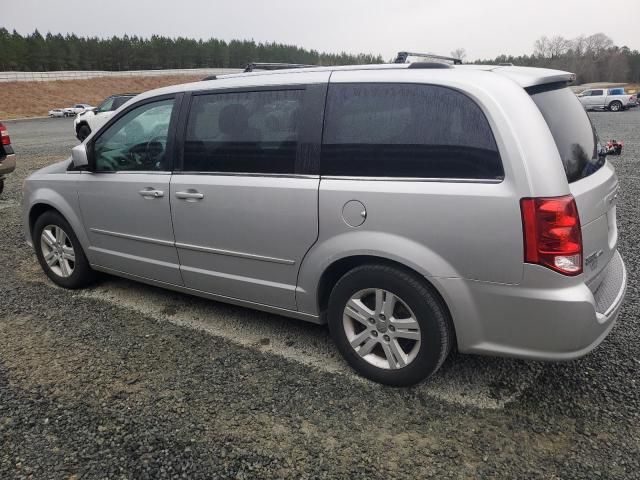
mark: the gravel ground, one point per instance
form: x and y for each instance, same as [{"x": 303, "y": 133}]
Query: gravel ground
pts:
[{"x": 128, "y": 381}]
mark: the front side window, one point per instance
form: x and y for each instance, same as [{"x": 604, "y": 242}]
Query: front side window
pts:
[
  {"x": 136, "y": 141},
  {"x": 586, "y": 93},
  {"x": 245, "y": 132},
  {"x": 406, "y": 130}
]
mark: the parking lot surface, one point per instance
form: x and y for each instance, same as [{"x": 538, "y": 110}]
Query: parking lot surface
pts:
[{"x": 124, "y": 380}]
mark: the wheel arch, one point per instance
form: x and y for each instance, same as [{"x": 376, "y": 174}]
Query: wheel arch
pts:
[
  {"x": 338, "y": 268},
  {"x": 82, "y": 123},
  {"x": 44, "y": 200}
]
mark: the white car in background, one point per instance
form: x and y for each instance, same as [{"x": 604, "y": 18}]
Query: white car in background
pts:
[
  {"x": 76, "y": 109},
  {"x": 92, "y": 119},
  {"x": 57, "y": 112}
]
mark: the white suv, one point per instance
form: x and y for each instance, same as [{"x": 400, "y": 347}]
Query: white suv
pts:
[{"x": 91, "y": 119}]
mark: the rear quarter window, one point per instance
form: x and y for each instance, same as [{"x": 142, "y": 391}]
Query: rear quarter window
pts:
[
  {"x": 406, "y": 130},
  {"x": 572, "y": 130}
]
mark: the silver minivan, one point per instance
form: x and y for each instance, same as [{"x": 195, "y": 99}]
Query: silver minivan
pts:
[{"x": 413, "y": 207}]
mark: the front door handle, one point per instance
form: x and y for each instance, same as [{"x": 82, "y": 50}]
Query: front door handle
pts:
[
  {"x": 190, "y": 195},
  {"x": 151, "y": 193}
]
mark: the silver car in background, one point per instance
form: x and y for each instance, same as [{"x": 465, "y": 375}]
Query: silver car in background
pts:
[{"x": 412, "y": 207}]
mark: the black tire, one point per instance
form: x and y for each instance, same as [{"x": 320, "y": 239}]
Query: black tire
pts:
[
  {"x": 82, "y": 274},
  {"x": 436, "y": 329},
  {"x": 615, "y": 106},
  {"x": 83, "y": 132}
]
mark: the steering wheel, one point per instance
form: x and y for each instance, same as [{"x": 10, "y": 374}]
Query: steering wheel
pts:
[{"x": 154, "y": 149}]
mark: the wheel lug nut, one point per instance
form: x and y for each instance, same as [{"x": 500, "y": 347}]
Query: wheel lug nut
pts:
[
  {"x": 386, "y": 338},
  {"x": 382, "y": 317},
  {"x": 374, "y": 333},
  {"x": 392, "y": 328},
  {"x": 372, "y": 321}
]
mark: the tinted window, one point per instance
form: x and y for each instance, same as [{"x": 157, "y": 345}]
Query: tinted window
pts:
[
  {"x": 572, "y": 130},
  {"x": 406, "y": 131},
  {"x": 597, "y": 93},
  {"x": 248, "y": 132},
  {"x": 136, "y": 141}
]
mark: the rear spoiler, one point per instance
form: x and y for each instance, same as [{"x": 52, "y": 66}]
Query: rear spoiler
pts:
[
  {"x": 546, "y": 87},
  {"x": 528, "y": 77}
]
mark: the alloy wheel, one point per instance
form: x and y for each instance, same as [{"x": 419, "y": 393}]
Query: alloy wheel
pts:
[
  {"x": 381, "y": 328},
  {"x": 57, "y": 251}
]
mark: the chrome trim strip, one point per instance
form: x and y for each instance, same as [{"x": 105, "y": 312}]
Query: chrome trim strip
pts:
[
  {"x": 309, "y": 317},
  {"x": 240, "y": 174},
  {"x": 416, "y": 179},
  {"x": 138, "y": 238},
  {"x": 197, "y": 248},
  {"x": 128, "y": 172},
  {"x": 232, "y": 253}
]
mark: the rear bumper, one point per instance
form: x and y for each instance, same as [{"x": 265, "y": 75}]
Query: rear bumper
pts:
[
  {"x": 541, "y": 322},
  {"x": 7, "y": 165}
]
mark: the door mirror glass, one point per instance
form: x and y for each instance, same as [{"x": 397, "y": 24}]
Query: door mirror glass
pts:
[{"x": 79, "y": 156}]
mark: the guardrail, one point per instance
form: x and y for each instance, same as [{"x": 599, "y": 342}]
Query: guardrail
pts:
[{"x": 86, "y": 74}]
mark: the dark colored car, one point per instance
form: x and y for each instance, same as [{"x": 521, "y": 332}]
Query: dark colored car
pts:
[{"x": 7, "y": 158}]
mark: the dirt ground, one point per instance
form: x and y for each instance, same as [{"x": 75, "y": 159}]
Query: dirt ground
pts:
[{"x": 35, "y": 99}]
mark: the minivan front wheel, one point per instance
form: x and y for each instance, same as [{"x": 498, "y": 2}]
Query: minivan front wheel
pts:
[
  {"x": 59, "y": 252},
  {"x": 389, "y": 325}
]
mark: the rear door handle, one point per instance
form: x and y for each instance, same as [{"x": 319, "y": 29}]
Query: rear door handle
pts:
[
  {"x": 190, "y": 195},
  {"x": 151, "y": 193}
]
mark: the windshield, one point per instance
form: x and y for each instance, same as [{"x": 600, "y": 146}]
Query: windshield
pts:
[
  {"x": 572, "y": 131},
  {"x": 106, "y": 106}
]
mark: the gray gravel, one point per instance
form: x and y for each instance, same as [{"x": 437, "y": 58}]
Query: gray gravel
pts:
[{"x": 93, "y": 387}]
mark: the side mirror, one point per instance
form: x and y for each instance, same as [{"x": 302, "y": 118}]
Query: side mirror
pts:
[{"x": 79, "y": 156}]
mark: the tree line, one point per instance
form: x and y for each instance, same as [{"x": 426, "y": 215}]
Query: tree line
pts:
[
  {"x": 593, "y": 58},
  {"x": 35, "y": 52}
]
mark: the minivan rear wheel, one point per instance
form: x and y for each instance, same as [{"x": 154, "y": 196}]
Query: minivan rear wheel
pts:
[{"x": 389, "y": 325}]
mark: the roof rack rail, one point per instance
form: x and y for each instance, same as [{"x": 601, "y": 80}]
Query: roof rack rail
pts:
[
  {"x": 402, "y": 57},
  {"x": 274, "y": 66}
]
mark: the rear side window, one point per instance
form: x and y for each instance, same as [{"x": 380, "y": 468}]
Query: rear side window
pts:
[
  {"x": 572, "y": 131},
  {"x": 246, "y": 132},
  {"x": 406, "y": 130}
]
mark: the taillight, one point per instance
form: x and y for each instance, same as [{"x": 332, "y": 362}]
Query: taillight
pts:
[
  {"x": 4, "y": 135},
  {"x": 552, "y": 235}
]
